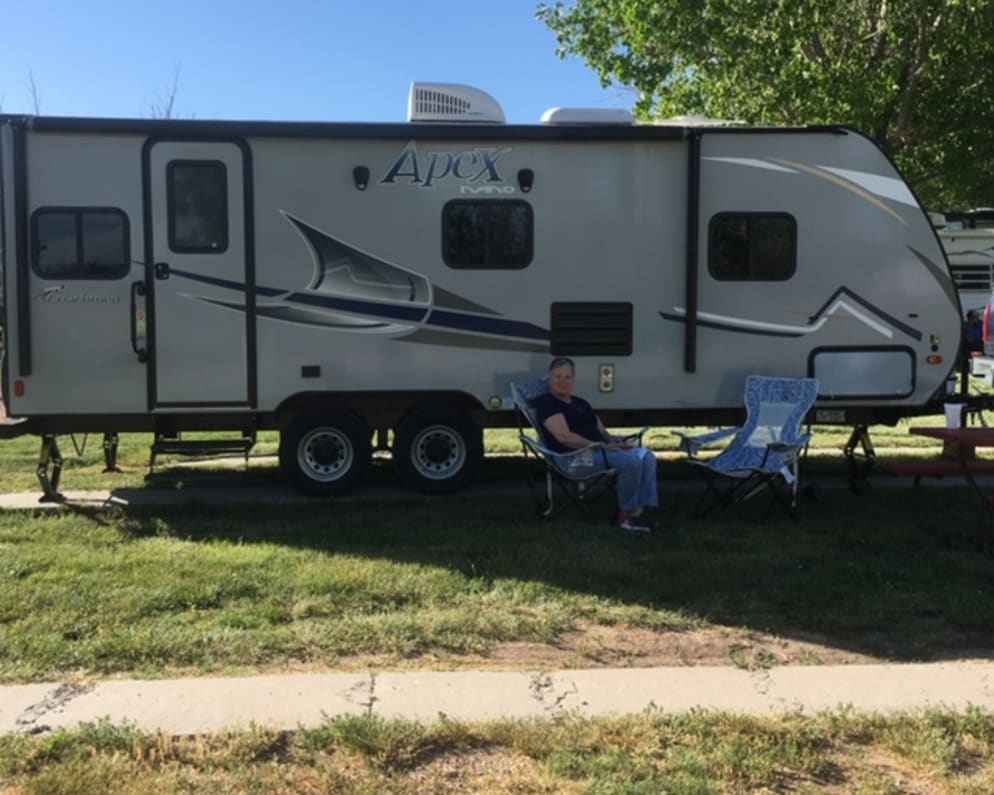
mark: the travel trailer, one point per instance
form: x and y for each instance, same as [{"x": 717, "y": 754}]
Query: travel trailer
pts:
[
  {"x": 361, "y": 286},
  {"x": 968, "y": 240}
]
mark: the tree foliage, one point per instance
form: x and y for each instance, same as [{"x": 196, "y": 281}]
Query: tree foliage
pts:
[{"x": 913, "y": 74}]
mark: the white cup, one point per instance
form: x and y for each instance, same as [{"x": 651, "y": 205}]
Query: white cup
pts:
[{"x": 954, "y": 415}]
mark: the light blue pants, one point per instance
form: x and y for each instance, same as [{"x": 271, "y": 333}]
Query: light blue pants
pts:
[{"x": 636, "y": 477}]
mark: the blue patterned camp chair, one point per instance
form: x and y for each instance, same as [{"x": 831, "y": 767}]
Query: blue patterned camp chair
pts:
[
  {"x": 763, "y": 454},
  {"x": 580, "y": 477}
]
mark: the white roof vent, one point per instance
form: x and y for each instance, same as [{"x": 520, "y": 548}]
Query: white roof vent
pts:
[
  {"x": 586, "y": 116},
  {"x": 451, "y": 102},
  {"x": 694, "y": 120}
]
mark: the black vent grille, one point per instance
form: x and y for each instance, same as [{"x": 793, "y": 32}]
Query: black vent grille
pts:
[
  {"x": 591, "y": 328},
  {"x": 439, "y": 103},
  {"x": 972, "y": 277}
]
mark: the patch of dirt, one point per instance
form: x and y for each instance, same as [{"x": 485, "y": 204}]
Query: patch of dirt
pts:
[
  {"x": 888, "y": 772},
  {"x": 597, "y": 646},
  {"x": 473, "y": 770}
]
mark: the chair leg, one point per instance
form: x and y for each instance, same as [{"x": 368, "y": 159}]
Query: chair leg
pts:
[
  {"x": 583, "y": 495},
  {"x": 726, "y": 498},
  {"x": 546, "y": 510},
  {"x": 790, "y": 506}
]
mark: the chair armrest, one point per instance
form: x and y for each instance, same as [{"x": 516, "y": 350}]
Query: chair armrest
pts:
[
  {"x": 545, "y": 451},
  {"x": 691, "y": 445},
  {"x": 787, "y": 447},
  {"x": 789, "y": 450},
  {"x": 633, "y": 437}
]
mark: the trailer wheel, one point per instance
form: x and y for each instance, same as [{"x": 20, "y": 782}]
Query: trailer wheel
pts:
[
  {"x": 325, "y": 452},
  {"x": 437, "y": 451}
]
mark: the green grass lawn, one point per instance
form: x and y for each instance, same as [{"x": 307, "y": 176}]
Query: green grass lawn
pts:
[
  {"x": 155, "y": 591},
  {"x": 696, "y": 753},
  {"x": 183, "y": 591}
]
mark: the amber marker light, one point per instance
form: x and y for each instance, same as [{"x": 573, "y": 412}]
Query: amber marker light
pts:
[{"x": 934, "y": 359}]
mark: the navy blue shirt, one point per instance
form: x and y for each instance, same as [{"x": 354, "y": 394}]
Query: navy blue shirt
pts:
[
  {"x": 580, "y": 418},
  {"x": 973, "y": 336}
]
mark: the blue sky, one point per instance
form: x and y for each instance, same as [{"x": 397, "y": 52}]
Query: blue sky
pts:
[{"x": 298, "y": 59}]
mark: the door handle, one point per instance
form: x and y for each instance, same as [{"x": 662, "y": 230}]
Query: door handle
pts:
[
  {"x": 138, "y": 322},
  {"x": 162, "y": 270}
]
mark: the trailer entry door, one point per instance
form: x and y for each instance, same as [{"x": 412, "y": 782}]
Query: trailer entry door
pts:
[{"x": 199, "y": 275}]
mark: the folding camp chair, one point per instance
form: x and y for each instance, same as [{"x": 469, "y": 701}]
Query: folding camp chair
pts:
[
  {"x": 763, "y": 454},
  {"x": 582, "y": 477}
]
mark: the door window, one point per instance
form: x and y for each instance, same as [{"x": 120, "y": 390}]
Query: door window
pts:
[{"x": 197, "y": 192}]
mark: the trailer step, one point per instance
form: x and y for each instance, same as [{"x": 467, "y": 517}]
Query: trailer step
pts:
[{"x": 176, "y": 445}]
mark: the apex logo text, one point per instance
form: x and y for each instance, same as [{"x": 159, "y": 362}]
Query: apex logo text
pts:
[{"x": 471, "y": 165}]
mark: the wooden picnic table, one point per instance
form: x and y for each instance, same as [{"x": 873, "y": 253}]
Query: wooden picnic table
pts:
[{"x": 965, "y": 441}]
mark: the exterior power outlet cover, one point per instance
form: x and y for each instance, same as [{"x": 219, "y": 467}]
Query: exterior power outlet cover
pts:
[{"x": 605, "y": 377}]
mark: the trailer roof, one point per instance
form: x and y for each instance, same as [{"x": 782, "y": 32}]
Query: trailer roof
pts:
[{"x": 200, "y": 128}]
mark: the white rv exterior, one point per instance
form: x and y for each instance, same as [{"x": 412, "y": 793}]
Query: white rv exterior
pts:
[
  {"x": 333, "y": 280},
  {"x": 968, "y": 240}
]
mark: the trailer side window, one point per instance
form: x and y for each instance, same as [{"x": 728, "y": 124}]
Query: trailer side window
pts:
[
  {"x": 487, "y": 234},
  {"x": 198, "y": 206},
  {"x": 80, "y": 243},
  {"x": 752, "y": 246}
]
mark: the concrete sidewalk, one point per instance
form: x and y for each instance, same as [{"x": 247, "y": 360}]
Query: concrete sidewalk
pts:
[{"x": 191, "y": 706}]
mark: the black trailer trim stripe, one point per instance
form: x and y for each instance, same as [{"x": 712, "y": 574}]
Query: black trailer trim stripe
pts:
[
  {"x": 23, "y": 267},
  {"x": 5, "y": 263},
  {"x": 214, "y": 404},
  {"x": 150, "y": 324},
  {"x": 693, "y": 231},
  {"x": 248, "y": 219}
]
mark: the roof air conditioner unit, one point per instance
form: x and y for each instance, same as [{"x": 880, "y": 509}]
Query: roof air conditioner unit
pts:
[{"x": 451, "y": 102}]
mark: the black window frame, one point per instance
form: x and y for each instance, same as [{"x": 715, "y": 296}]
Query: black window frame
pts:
[
  {"x": 78, "y": 211},
  {"x": 171, "y": 167},
  {"x": 749, "y": 217},
  {"x": 488, "y": 264}
]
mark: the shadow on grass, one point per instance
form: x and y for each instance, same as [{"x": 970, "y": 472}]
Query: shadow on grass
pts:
[{"x": 875, "y": 573}]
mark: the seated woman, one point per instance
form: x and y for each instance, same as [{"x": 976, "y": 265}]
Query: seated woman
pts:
[{"x": 571, "y": 424}]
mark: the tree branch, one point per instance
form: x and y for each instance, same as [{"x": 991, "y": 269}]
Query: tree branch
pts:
[{"x": 35, "y": 97}]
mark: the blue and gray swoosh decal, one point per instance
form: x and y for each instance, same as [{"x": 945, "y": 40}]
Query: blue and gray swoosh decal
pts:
[
  {"x": 353, "y": 291},
  {"x": 843, "y": 303}
]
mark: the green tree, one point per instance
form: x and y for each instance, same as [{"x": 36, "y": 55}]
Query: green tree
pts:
[{"x": 913, "y": 74}]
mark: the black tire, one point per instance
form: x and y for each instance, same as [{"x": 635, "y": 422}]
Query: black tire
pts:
[
  {"x": 437, "y": 450},
  {"x": 325, "y": 452}
]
